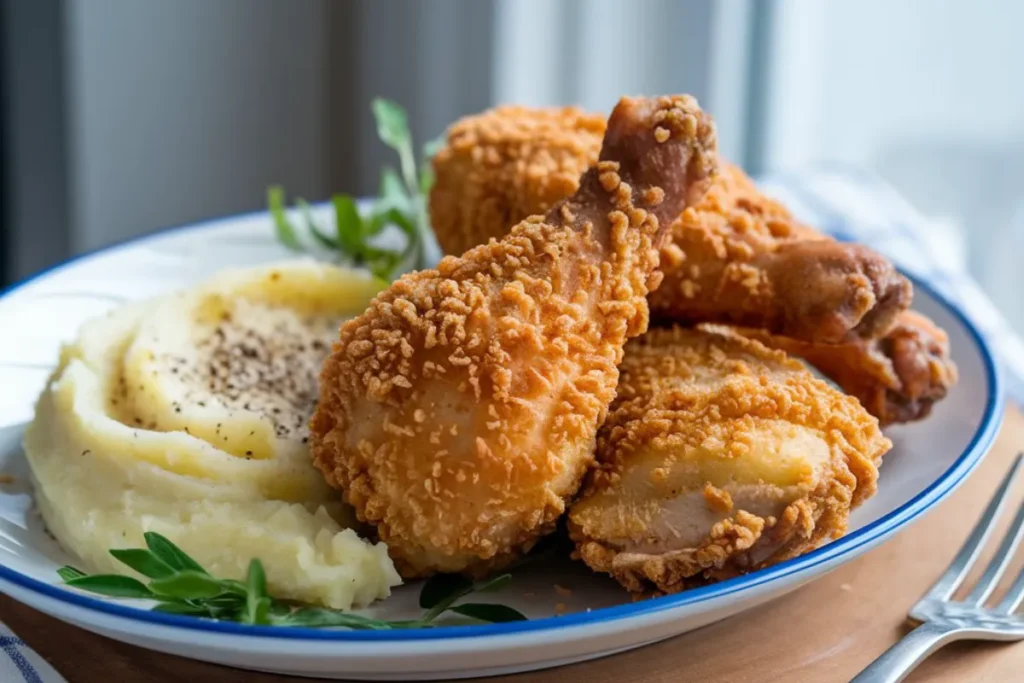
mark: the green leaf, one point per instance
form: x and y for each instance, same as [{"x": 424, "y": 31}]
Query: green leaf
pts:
[
  {"x": 325, "y": 240},
  {"x": 171, "y": 554},
  {"x": 227, "y": 606},
  {"x": 400, "y": 203},
  {"x": 392, "y": 193},
  {"x": 426, "y": 178},
  {"x": 257, "y": 603},
  {"x": 393, "y": 130},
  {"x": 182, "y": 608},
  {"x": 384, "y": 265},
  {"x": 279, "y": 608},
  {"x": 408, "y": 623},
  {"x": 224, "y": 600},
  {"x": 383, "y": 216},
  {"x": 257, "y": 612},
  {"x": 392, "y": 125},
  {"x": 318, "y": 617},
  {"x": 144, "y": 562},
  {"x": 348, "y": 223},
  {"x": 68, "y": 572},
  {"x": 432, "y": 147},
  {"x": 257, "y": 579},
  {"x": 488, "y": 612},
  {"x": 285, "y": 232},
  {"x": 442, "y": 588},
  {"x": 111, "y": 585},
  {"x": 495, "y": 584},
  {"x": 430, "y": 150},
  {"x": 235, "y": 587},
  {"x": 188, "y": 585}
]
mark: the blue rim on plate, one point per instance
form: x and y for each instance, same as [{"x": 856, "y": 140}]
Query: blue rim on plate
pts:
[{"x": 944, "y": 485}]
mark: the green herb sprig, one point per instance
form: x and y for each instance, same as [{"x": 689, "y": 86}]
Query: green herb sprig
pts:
[
  {"x": 401, "y": 202},
  {"x": 179, "y": 585}
]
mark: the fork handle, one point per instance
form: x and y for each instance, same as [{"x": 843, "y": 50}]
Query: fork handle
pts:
[{"x": 899, "y": 660}]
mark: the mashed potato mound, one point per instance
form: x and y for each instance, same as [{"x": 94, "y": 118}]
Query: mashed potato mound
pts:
[{"x": 186, "y": 415}]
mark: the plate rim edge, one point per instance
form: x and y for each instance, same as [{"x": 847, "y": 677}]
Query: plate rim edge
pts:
[{"x": 881, "y": 528}]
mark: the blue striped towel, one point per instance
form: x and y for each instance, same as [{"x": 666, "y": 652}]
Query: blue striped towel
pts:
[
  {"x": 853, "y": 205},
  {"x": 20, "y": 664}
]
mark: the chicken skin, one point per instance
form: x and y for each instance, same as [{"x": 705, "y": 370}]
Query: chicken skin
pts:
[
  {"x": 736, "y": 257},
  {"x": 739, "y": 257},
  {"x": 898, "y": 378},
  {"x": 719, "y": 456},
  {"x": 506, "y": 164},
  {"x": 459, "y": 413}
]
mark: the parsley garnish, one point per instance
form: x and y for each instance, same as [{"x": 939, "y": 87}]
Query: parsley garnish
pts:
[
  {"x": 401, "y": 202},
  {"x": 179, "y": 585}
]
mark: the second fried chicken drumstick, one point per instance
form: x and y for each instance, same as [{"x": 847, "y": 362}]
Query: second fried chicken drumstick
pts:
[
  {"x": 459, "y": 412},
  {"x": 740, "y": 257},
  {"x": 898, "y": 378},
  {"x": 736, "y": 257}
]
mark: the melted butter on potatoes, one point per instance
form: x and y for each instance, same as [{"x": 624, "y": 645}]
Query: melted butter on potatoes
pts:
[{"x": 187, "y": 415}]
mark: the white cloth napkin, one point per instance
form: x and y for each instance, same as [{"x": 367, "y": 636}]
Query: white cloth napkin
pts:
[
  {"x": 20, "y": 664},
  {"x": 853, "y": 205}
]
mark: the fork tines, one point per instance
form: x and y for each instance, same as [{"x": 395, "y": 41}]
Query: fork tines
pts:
[{"x": 947, "y": 584}]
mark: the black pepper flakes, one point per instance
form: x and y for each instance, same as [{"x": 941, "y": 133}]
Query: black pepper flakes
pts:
[{"x": 258, "y": 360}]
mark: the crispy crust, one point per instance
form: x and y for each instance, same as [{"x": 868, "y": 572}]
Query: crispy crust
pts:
[
  {"x": 736, "y": 257},
  {"x": 458, "y": 413},
  {"x": 741, "y": 257},
  {"x": 681, "y": 390},
  {"x": 898, "y": 378},
  {"x": 506, "y": 164}
]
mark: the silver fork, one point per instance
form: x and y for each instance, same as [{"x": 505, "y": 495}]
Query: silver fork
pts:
[{"x": 944, "y": 620}]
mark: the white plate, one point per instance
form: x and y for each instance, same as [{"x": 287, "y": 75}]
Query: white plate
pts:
[{"x": 929, "y": 460}]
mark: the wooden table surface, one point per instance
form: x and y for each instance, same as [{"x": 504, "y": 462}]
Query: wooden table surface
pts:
[{"x": 827, "y": 631}]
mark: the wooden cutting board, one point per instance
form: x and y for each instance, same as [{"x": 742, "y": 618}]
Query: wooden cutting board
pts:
[{"x": 827, "y": 631}]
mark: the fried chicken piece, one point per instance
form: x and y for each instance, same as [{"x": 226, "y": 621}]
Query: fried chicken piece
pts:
[
  {"x": 735, "y": 257},
  {"x": 740, "y": 257},
  {"x": 898, "y": 378},
  {"x": 719, "y": 456},
  {"x": 505, "y": 164},
  {"x": 458, "y": 414}
]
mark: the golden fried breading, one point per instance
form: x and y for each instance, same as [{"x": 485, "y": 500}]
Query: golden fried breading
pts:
[
  {"x": 459, "y": 412},
  {"x": 719, "y": 456},
  {"x": 739, "y": 257},
  {"x": 898, "y": 378},
  {"x": 506, "y": 164},
  {"x": 736, "y": 257}
]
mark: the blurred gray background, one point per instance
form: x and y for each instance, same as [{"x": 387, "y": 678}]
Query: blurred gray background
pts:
[{"x": 123, "y": 116}]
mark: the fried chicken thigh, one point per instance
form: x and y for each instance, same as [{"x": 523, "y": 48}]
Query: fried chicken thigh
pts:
[
  {"x": 458, "y": 414},
  {"x": 898, "y": 378},
  {"x": 506, "y": 164},
  {"x": 735, "y": 257},
  {"x": 719, "y": 456}
]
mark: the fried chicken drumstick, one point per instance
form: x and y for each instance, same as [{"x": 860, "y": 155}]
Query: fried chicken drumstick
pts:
[
  {"x": 739, "y": 257},
  {"x": 735, "y": 257},
  {"x": 458, "y": 413},
  {"x": 719, "y": 456},
  {"x": 898, "y": 378}
]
